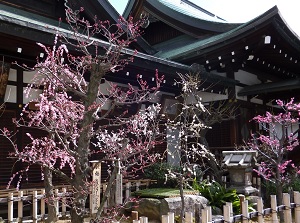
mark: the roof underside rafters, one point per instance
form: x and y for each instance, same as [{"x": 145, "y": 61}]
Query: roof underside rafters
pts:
[
  {"x": 24, "y": 32},
  {"x": 244, "y": 48}
]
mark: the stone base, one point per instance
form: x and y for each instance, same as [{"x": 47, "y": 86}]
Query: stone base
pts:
[
  {"x": 155, "y": 208},
  {"x": 247, "y": 190}
]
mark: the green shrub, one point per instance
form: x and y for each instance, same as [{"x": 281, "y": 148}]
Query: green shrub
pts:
[
  {"x": 217, "y": 195},
  {"x": 269, "y": 188},
  {"x": 158, "y": 172}
]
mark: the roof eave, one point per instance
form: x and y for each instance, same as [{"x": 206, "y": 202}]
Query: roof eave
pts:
[
  {"x": 270, "y": 87},
  {"x": 184, "y": 22},
  {"x": 231, "y": 37}
]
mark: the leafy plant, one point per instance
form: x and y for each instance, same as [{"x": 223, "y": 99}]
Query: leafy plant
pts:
[
  {"x": 158, "y": 172},
  {"x": 269, "y": 188},
  {"x": 217, "y": 195}
]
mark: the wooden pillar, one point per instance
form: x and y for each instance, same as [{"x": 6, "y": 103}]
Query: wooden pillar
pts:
[
  {"x": 119, "y": 187},
  {"x": 63, "y": 202},
  {"x": 20, "y": 206},
  {"x": 43, "y": 204},
  {"x": 10, "y": 207},
  {"x": 128, "y": 190},
  {"x": 34, "y": 206},
  {"x": 56, "y": 202}
]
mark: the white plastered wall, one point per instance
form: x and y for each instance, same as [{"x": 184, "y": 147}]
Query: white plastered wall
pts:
[
  {"x": 249, "y": 79},
  {"x": 11, "y": 90}
]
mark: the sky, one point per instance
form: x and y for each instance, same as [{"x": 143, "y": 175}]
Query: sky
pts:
[{"x": 243, "y": 10}]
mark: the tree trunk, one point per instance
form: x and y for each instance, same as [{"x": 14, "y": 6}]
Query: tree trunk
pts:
[
  {"x": 182, "y": 198},
  {"x": 80, "y": 194},
  {"x": 211, "y": 161},
  {"x": 106, "y": 195},
  {"x": 279, "y": 195},
  {"x": 83, "y": 170},
  {"x": 52, "y": 215}
]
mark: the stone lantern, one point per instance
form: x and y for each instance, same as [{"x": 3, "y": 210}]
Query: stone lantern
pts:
[{"x": 240, "y": 166}]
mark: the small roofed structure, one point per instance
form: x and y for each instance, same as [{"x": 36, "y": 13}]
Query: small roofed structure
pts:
[{"x": 240, "y": 166}]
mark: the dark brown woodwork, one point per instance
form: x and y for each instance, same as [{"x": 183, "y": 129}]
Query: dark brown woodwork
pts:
[
  {"x": 158, "y": 32},
  {"x": 49, "y": 8},
  {"x": 6, "y": 164}
]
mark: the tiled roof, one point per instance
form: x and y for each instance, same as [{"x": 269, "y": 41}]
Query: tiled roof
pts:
[
  {"x": 186, "y": 9},
  {"x": 192, "y": 47},
  {"x": 239, "y": 158}
]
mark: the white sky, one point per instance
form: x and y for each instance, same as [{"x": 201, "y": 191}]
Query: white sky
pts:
[{"x": 242, "y": 10}]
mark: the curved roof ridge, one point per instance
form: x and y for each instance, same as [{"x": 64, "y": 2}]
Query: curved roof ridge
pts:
[
  {"x": 188, "y": 8},
  {"x": 176, "y": 53},
  {"x": 287, "y": 25},
  {"x": 192, "y": 22}
]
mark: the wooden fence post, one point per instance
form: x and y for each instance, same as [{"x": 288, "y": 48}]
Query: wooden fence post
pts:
[
  {"x": 106, "y": 202},
  {"x": 242, "y": 199},
  {"x": 63, "y": 202},
  {"x": 274, "y": 209},
  {"x": 297, "y": 208},
  {"x": 20, "y": 206},
  {"x": 260, "y": 218},
  {"x": 226, "y": 213},
  {"x": 34, "y": 206},
  {"x": 137, "y": 185},
  {"x": 188, "y": 217},
  {"x": 171, "y": 217},
  {"x": 254, "y": 182},
  {"x": 134, "y": 215},
  {"x": 128, "y": 190},
  {"x": 198, "y": 210},
  {"x": 56, "y": 202},
  {"x": 43, "y": 204},
  {"x": 245, "y": 211},
  {"x": 231, "y": 208},
  {"x": 287, "y": 209},
  {"x": 224, "y": 180},
  {"x": 147, "y": 184},
  {"x": 143, "y": 219},
  {"x": 208, "y": 178},
  {"x": 204, "y": 215},
  {"x": 10, "y": 214},
  {"x": 165, "y": 219},
  {"x": 258, "y": 181},
  {"x": 209, "y": 213}
]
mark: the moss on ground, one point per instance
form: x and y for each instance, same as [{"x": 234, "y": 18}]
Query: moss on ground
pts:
[{"x": 162, "y": 192}]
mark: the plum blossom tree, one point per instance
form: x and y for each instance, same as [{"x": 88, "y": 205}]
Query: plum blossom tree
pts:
[
  {"x": 71, "y": 111},
  {"x": 187, "y": 147},
  {"x": 280, "y": 137}
]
